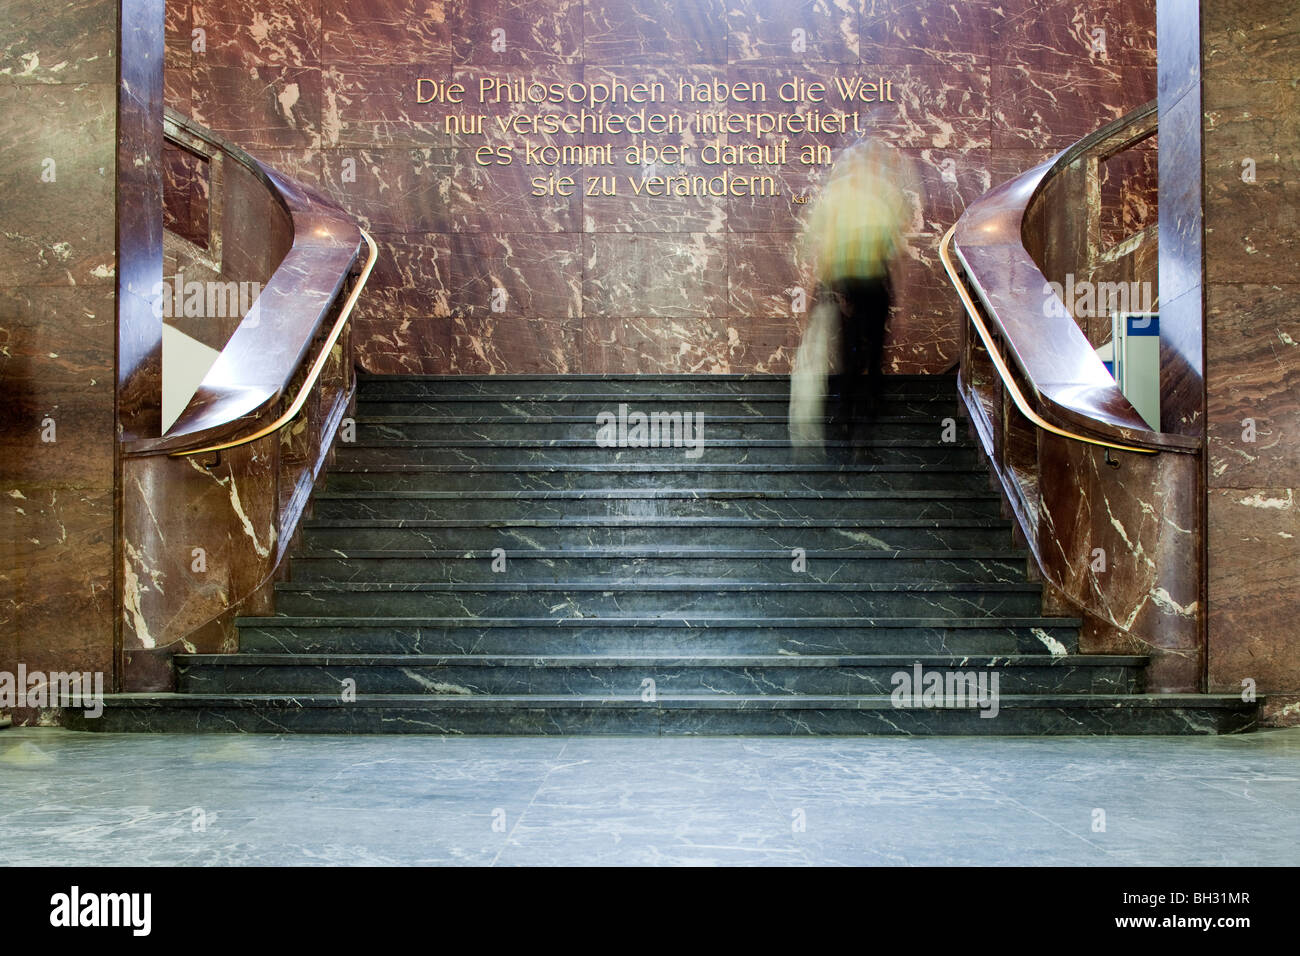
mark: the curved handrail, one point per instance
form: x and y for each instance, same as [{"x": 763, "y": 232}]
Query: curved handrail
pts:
[
  {"x": 1057, "y": 361},
  {"x": 1008, "y": 380},
  {"x": 310, "y": 380},
  {"x": 1042, "y": 407},
  {"x": 257, "y": 364}
]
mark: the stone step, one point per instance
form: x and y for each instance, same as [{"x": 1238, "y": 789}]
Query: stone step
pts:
[
  {"x": 660, "y": 428},
  {"x": 768, "y": 714},
  {"x": 400, "y": 476},
  {"x": 811, "y": 534},
  {"x": 654, "y": 503},
  {"x": 673, "y": 675},
  {"x": 751, "y": 406},
  {"x": 529, "y": 455},
  {"x": 704, "y": 635},
  {"x": 652, "y": 590},
  {"x": 669, "y": 599},
  {"x": 614, "y": 564}
]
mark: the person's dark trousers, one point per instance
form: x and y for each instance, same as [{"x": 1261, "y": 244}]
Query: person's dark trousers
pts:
[{"x": 864, "y": 313}]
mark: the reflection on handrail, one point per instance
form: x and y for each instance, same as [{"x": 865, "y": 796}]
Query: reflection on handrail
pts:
[
  {"x": 292, "y": 412},
  {"x": 1008, "y": 380}
]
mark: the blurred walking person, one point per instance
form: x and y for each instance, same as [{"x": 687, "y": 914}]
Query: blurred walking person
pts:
[{"x": 854, "y": 232}]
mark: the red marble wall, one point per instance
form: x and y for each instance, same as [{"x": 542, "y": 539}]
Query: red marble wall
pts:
[
  {"x": 628, "y": 284},
  {"x": 58, "y": 128},
  {"x": 1251, "y": 111}
]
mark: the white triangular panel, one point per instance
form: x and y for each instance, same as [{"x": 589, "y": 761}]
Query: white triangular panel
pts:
[{"x": 185, "y": 361}]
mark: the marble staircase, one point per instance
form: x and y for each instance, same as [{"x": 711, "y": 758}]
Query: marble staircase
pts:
[{"x": 476, "y": 563}]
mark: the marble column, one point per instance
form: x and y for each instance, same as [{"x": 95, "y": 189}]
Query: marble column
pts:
[
  {"x": 1249, "y": 122},
  {"x": 58, "y": 281}
]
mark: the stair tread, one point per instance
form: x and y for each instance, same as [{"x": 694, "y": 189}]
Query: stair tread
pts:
[
  {"x": 263, "y": 659},
  {"x": 587, "y": 521},
  {"x": 947, "y": 378},
  {"x": 588, "y": 420},
  {"x": 604, "y": 553},
  {"x": 619, "y": 396},
  {"x": 586, "y": 443},
  {"x": 665, "y": 584},
  {"x": 694, "y": 621},
  {"x": 578, "y": 494},
  {"x": 649, "y": 467},
  {"x": 773, "y": 701}
]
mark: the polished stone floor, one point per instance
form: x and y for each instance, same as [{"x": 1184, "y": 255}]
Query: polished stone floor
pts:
[{"x": 87, "y": 799}]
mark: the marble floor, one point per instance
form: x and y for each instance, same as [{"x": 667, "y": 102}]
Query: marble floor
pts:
[{"x": 85, "y": 799}]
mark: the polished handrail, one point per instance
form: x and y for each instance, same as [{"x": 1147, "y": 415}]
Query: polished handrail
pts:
[
  {"x": 1064, "y": 376},
  {"x": 309, "y": 382},
  {"x": 1008, "y": 380},
  {"x": 248, "y": 382}
]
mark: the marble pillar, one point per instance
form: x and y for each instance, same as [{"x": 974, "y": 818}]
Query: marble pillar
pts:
[
  {"x": 1249, "y": 123},
  {"x": 58, "y": 281}
]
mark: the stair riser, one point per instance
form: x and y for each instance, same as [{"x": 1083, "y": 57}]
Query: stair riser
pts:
[
  {"x": 582, "y": 570},
  {"x": 542, "y": 640},
  {"x": 556, "y": 603},
  {"x": 772, "y": 406},
  {"x": 654, "y": 720},
  {"x": 530, "y": 457},
  {"x": 849, "y": 509},
  {"x": 464, "y": 679},
  {"x": 595, "y": 536},
  {"x": 600, "y": 478},
  {"x": 587, "y": 430}
]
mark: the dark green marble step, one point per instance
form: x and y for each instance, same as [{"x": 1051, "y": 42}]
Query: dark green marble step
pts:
[
  {"x": 700, "y": 634},
  {"x": 587, "y": 429},
  {"x": 655, "y": 503},
  {"x": 526, "y": 455},
  {"x": 755, "y": 407},
  {"x": 669, "y": 598},
  {"x": 768, "y": 714},
  {"x": 647, "y": 592},
  {"x": 631, "y": 564},
  {"x": 812, "y": 534},
  {"x": 364, "y": 475},
  {"x": 624, "y": 675}
]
